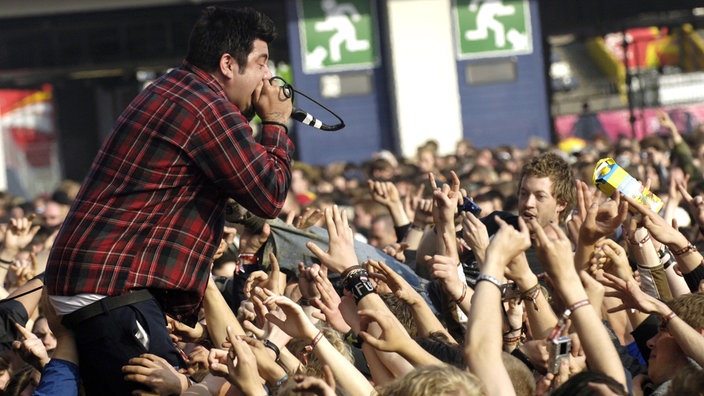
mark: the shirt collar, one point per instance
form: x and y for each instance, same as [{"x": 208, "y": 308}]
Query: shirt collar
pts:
[{"x": 207, "y": 78}]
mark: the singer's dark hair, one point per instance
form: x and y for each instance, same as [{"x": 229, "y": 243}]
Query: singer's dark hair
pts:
[{"x": 226, "y": 30}]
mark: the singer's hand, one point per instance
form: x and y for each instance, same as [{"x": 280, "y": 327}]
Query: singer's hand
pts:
[{"x": 271, "y": 104}]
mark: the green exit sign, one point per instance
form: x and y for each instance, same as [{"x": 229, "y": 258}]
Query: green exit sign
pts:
[
  {"x": 336, "y": 35},
  {"x": 493, "y": 28}
]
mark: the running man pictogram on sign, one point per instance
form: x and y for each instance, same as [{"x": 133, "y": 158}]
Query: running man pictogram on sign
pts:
[
  {"x": 336, "y": 34},
  {"x": 491, "y": 28}
]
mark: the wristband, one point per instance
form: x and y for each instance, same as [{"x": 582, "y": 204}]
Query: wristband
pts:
[
  {"x": 532, "y": 295},
  {"x": 273, "y": 347},
  {"x": 463, "y": 296},
  {"x": 574, "y": 307},
  {"x": 640, "y": 243},
  {"x": 277, "y": 124},
  {"x": 358, "y": 283},
  {"x": 309, "y": 348},
  {"x": 523, "y": 358},
  {"x": 281, "y": 381},
  {"x": 687, "y": 249},
  {"x": 305, "y": 302},
  {"x": 417, "y": 227},
  {"x": 6, "y": 261},
  {"x": 348, "y": 271},
  {"x": 490, "y": 279},
  {"x": 245, "y": 259},
  {"x": 562, "y": 321},
  {"x": 666, "y": 320}
]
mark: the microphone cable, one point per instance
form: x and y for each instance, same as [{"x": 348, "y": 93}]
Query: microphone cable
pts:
[{"x": 303, "y": 116}]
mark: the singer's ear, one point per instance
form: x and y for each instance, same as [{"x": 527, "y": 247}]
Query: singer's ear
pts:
[{"x": 228, "y": 65}]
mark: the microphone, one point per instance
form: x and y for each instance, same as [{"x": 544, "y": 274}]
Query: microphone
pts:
[
  {"x": 307, "y": 119},
  {"x": 303, "y": 116}
]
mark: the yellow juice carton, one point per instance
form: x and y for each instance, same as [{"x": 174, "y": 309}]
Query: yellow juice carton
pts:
[{"x": 609, "y": 177}]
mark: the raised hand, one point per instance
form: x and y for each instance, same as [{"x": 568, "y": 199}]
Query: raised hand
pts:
[
  {"x": 308, "y": 218},
  {"x": 616, "y": 259},
  {"x": 399, "y": 287},
  {"x": 238, "y": 365},
  {"x": 411, "y": 204},
  {"x": 19, "y": 234},
  {"x": 295, "y": 323},
  {"x": 695, "y": 204},
  {"x": 598, "y": 219},
  {"x": 182, "y": 332},
  {"x": 475, "y": 235},
  {"x": 318, "y": 386},
  {"x": 508, "y": 242},
  {"x": 306, "y": 281},
  {"x": 444, "y": 268},
  {"x": 445, "y": 199},
  {"x": 385, "y": 193},
  {"x": 251, "y": 242},
  {"x": 30, "y": 348},
  {"x": 656, "y": 225},
  {"x": 631, "y": 295},
  {"x": 274, "y": 280},
  {"x": 329, "y": 303},
  {"x": 555, "y": 254},
  {"x": 340, "y": 254},
  {"x": 393, "y": 337}
]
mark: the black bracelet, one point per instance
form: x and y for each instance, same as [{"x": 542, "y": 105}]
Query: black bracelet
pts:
[
  {"x": 6, "y": 261},
  {"x": 273, "y": 347},
  {"x": 277, "y": 124},
  {"x": 523, "y": 358}
]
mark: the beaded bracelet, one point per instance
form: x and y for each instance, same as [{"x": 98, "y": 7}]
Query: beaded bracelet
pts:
[{"x": 687, "y": 249}]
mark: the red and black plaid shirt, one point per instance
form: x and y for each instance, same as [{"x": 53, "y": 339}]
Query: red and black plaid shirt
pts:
[{"x": 151, "y": 211}]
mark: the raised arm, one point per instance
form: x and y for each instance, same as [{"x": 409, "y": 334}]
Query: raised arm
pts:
[
  {"x": 483, "y": 344},
  {"x": 557, "y": 259}
]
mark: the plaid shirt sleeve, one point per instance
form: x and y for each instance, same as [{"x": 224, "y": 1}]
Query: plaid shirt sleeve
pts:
[{"x": 151, "y": 211}]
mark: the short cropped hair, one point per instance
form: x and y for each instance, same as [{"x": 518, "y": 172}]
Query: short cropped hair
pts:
[
  {"x": 225, "y": 30},
  {"x": 434, "y": 380},
  {"x": 689, "y": 307},
  {"x": 555, "y": 167}
]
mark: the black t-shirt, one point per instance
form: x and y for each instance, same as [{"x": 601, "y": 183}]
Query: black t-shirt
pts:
[{"x": 11, "y": 312}]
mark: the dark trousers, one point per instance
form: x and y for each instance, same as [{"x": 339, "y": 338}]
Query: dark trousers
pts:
[{"x": 106, "y": 343}]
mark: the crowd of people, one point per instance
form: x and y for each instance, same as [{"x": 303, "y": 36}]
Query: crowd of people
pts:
[{"x": 209, "y": 263}]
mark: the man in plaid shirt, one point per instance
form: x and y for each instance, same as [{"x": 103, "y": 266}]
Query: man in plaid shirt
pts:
[{"x": 140, "y": 236}]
